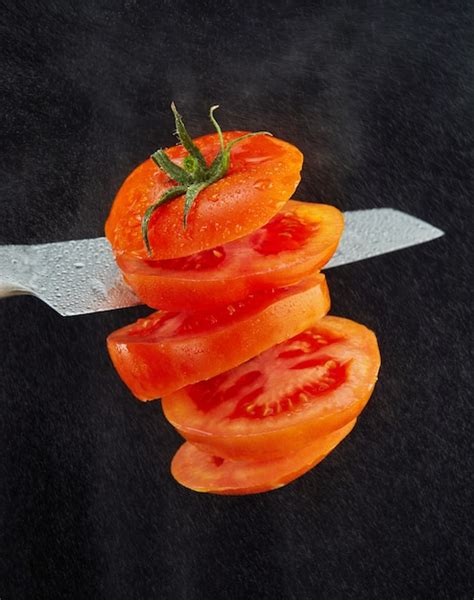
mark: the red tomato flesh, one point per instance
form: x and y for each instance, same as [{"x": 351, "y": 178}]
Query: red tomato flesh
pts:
[
  {"x": 299, "y": 389},
  {"x": 204, "y": 472},
  {"x": 168, "y": 350},
  {"x": 264, "y": 172},
  {"x": 296, "y": 242}
]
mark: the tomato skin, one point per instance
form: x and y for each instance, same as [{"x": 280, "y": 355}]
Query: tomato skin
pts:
[
  {"x": 203, "y": 472},
  {"x": 264, "y": 172},
  {"x": 158, "y": 366},
  {"x": 241, "y": 270},
  {"x": 270, "y": 438}
]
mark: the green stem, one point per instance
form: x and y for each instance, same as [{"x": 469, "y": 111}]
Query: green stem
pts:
[
  {"x": 179, "y": 190},
  {"x": 186, "y": 140},
  {"x": 170, "y": 168},
  {"x": 191, "y": 194},
  {"x": 195, "y": 175},
  {"x": 217, "y": 126}
]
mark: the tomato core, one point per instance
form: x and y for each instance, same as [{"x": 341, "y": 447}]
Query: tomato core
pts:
[
  {"x": 283, "y": 233},
  {"x": 249, "y": 390}
]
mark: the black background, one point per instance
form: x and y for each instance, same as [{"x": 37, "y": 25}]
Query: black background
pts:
[{"x": 377, "y": 96}]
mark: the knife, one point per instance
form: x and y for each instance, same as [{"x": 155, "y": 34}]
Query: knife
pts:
[{"x": 80, "y": 276}]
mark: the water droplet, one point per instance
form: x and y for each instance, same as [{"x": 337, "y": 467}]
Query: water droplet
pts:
[
  {"x": 262, "y": 184},
  {"x": 79, "y": 265}
]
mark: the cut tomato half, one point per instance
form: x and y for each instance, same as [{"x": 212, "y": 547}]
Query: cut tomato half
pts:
[
  {"x": 296, "y": 242},
  {"x": 168, "y": 350},
  {"x": 204, "y": 472},
  {"x": 263, "y": 174},
  {"x": 309, "y": 385}
]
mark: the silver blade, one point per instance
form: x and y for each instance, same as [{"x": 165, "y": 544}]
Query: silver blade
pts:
[
  {"x": 74, "y": 278},
  {"x": 376, "y": 231},
  {"x": 80, "y": 276}
]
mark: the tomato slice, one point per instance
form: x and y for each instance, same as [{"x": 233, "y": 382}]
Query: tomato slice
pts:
[
  {"x": 264, "y": 172},
  {"x": 168, "y": 350},
  {"x": 299, "y": 240},
  {"x": 307, "y": 386},
  {"x": 204, "y": 472}
]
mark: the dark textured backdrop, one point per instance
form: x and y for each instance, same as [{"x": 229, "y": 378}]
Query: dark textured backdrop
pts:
[{"x": 377, "y": 96}]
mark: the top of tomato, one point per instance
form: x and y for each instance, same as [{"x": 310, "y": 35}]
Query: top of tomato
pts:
[{"x": 262, "y": 175}]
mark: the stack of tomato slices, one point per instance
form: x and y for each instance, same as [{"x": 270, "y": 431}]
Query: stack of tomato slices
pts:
[{"x": 260, "y": 383}]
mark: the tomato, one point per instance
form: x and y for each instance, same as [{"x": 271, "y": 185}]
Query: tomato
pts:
[
  {"x": 297, "y": 241},
  {"x": 304, "y": 387},
  {"x": 204, "y": 472},
  {"x": 168, "y": 350},
  {"x": 264, "y": 172}
]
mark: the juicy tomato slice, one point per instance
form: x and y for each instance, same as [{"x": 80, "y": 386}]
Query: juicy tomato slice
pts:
[
  {"x": 309, "y": 385},
  {"x": 264, "y": 172},
  {"x": 297, "y": 241},
  {"x": 204, "y": 472},
  {"x": 168, "y": 350}
]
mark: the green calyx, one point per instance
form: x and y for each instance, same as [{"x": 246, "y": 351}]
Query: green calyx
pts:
[{"x": 195, "y": 174}]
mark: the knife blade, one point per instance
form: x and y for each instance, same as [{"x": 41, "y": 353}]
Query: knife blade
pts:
[{"x": 80, "y": 276}]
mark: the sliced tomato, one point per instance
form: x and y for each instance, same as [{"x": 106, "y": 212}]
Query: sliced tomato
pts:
[
  {"x": 204, "y": 472},
  {"x": 299, "y": 240},
  {"x": 264, "y": 172},
  {"x": 168, "y": 350},
  {"x": 309, "y": 385}
]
